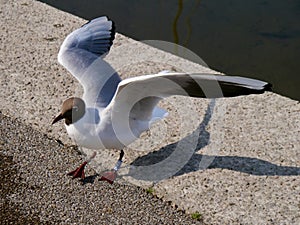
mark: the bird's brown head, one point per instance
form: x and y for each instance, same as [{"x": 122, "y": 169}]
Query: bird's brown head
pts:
[{"x": 72, "y": 110}]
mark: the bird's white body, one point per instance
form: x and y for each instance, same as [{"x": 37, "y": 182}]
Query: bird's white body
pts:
[
  {"x": 95, "y": 131},
  {"x": 86, "y": 131}
]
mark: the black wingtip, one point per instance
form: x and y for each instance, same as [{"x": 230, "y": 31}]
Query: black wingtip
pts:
[
  {"x": 112, "y": 30},
  {"x": 112, "y": 34},
  {"x": 268, "y": 87},
  {"x": 113, "y": 26}
]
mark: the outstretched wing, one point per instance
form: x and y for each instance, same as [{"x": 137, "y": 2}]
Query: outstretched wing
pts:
[
  {"x": 81, "y": 54},
  {"x": 137, "y": 97}
]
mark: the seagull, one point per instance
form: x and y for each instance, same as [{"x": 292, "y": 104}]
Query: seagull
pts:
[{"x": 112, "y": 113}]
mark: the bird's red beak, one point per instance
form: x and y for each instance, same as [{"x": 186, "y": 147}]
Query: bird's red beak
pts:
[{"x": 58, "y": 118}]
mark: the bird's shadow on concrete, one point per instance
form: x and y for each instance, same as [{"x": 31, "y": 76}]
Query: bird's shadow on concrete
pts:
[{"x": 253, "y": 166}]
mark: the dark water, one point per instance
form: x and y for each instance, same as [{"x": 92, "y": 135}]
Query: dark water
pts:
[{"x": 254, "y": 38}]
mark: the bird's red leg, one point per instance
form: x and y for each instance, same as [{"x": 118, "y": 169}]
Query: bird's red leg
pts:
[
  {"x": 79, "y": 172},
  {"x": 111, "y": 175}
]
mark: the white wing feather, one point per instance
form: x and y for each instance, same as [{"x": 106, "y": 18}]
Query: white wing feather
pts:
[
  {"x": 139, "y": 96},
  {"x": 81, "y": 54}
]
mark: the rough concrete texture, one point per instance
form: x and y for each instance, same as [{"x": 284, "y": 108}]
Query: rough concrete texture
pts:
[
  {"x": 246, "y": 166},
  {"x": 34, "y": 188}
]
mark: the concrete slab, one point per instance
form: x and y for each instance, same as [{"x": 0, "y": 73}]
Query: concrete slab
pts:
[{"x": 246, "y": 167}]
